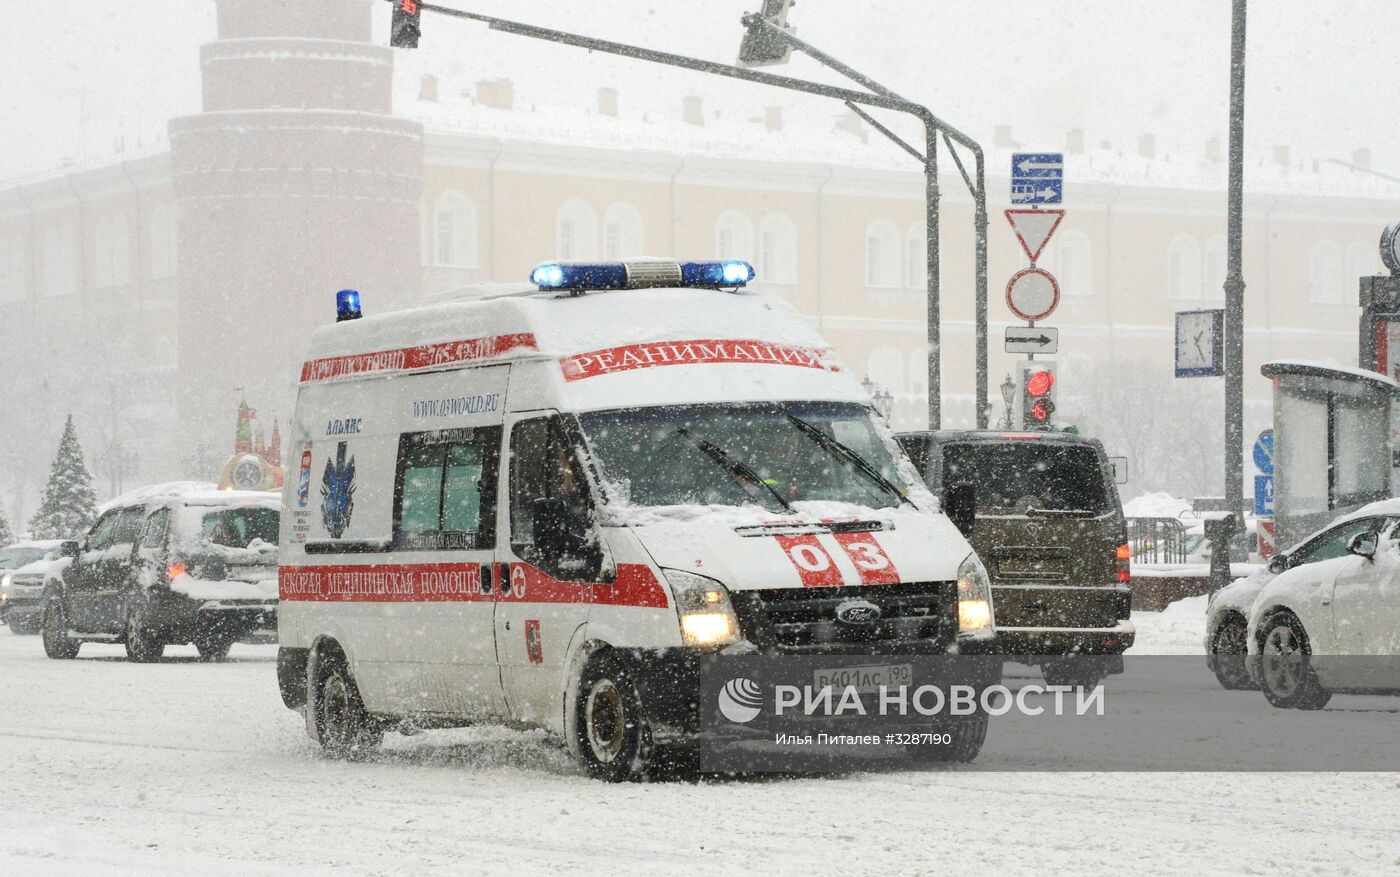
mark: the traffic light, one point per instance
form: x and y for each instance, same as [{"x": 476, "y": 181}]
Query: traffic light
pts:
[
  {"x": 761, "y": 47},
  {"x": 1038, "y": 395},
  {"x": 404, "y": 31}
]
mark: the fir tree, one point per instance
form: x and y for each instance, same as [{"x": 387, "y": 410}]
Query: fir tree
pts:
[
  {"x": 69, "y": 505},
  {"x": 6, "y": 535}
]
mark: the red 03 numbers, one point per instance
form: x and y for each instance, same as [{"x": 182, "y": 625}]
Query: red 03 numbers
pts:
[{"x": 816, "y": 567}]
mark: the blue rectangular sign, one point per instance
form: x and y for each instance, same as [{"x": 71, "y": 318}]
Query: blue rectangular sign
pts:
[
  {"x": 1264, "y": 496},
  {"x": 1037, "y": 177}
]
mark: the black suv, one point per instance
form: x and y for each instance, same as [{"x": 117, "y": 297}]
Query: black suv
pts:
[{"x": 164, "y": 567}]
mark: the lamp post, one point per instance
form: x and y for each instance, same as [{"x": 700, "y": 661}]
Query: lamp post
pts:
[
  {"x": 1008, "y": 395},
  {"x": 1234, "y": 285},
  {"x": 883, "y": 399}
]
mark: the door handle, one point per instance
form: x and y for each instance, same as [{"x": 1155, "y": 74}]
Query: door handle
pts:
[{"x": 486, "y": 578}]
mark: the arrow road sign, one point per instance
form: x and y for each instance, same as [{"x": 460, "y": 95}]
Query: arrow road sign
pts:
[
  {"x": 1264, "y": 496},
  {"x": 1264, "y": 452},
  {"x": 1032, "y": 294},
  {"x": 1033, "y": 228},
  {"x": 1034, "y": 339},
  {"x": 1037, "y": 177}
]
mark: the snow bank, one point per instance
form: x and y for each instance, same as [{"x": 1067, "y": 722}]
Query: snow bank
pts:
[{"x": 1156, "y": 505}]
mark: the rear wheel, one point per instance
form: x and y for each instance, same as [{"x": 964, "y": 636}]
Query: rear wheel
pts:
[
  {"x": 213, "y": 647},
  {"x": 614, "y": 737},
  {"x": 965, "y": 738},
  {"x": 1228, "y": 647},
  {"x": 1286, "y": 671},
  {"x": 1072, "y": 672},
  {"x": 143, "y": 645},
  {"x": 343, "y": 727},
  {"x": 57, "y": 644}
]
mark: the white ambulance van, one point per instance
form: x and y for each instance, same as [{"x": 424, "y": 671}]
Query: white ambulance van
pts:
[{"x": 539, "y": 508}]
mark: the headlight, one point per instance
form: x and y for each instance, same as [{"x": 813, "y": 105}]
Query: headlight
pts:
[
  {"x": 974, "y": 598},
  {"x": 703, "y": 607},
  {"x": 6, "y": 579}
]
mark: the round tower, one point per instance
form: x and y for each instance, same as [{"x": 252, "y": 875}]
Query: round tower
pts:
[{"x": 293, "y": 182}]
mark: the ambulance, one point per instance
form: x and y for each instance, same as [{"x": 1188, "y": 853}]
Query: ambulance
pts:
[{"x": 541, "y": 506}]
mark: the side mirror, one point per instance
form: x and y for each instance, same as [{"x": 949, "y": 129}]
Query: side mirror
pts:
[
  {"x": 1278, "y": 563},
  {"x": 560, "y": 529},
  {"x": 1364, "y": 545},
  {"x": 68, "y": 548},
  {"x": 960, "y": 505}
]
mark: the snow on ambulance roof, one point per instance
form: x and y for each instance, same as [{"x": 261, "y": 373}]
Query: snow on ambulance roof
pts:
[
  {"x": 192, "y": 493},
  {"x": 630, "y": 332}
]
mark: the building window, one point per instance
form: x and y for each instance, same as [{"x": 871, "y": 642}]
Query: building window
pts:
[
  {"x": 881, "y": 254},
  {"x": 1325, "y": 278},
  {"x": 576, "y": 230},
  {"x": 734, "y": 236},
  {"x": 916, "y": 258},
  {"x": 777, "y": 249},
  {"x": 622, "y": 232},
  {"x": 164, "y": 241},
  {"x": 454, "y": 226},
  {"x": 1074, "y": 265},
  {"x": 60, "y": 262},
  {"x": 1184, "y": 267},
  {"x": 12, "y": 269},
  {"x": 1215, "y": 268}
]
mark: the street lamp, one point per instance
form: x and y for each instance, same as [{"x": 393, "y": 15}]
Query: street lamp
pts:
[
  {"x": 1008, "y": 395},
  {"x": 883, "y": 399}
]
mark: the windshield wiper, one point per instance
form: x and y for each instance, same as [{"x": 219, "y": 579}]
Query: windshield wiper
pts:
[
  {"x": 844, "y": 452},
  {"x": 733, "y": 466},
  {"x": 1066, "y": 513}
]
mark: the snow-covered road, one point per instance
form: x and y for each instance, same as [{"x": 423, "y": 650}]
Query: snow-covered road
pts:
[{"x": 190, "y": 768}]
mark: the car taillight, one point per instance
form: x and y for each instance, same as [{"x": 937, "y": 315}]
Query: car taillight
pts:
[
  {"x": 176, "y": 569},
  {"x": 1122, "y": 559}
]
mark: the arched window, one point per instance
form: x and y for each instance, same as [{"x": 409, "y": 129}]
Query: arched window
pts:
[
  {"x": 881, "y": 254},
  {"x": 576, "y": 231},
  {"x": 454, "y": 230},
  {"x": 916, "y": 258},
  {"x": 60, "y": 262},
  {"x": 1184, "y": 267},
  {"x": 164, "y": 241},
  {"x": 1325, "y": 278},
  {"x": 1215, "y": 268},
  {"x": 121, "y": 251},
  {"x": 623, "y": 237},
  {"x": 12, "y": 269},
  {"x": 102, "y": 254},
  {"x": 1361, "y": 262},
  {"x": 734, "y": 236},
  {"x": 777, "y": 256},
  {"x": 1074, "y": 265}
]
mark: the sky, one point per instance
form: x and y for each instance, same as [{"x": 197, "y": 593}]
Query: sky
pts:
[{"x": 89, "y": 79}]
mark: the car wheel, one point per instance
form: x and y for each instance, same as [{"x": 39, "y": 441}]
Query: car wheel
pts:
[
  {"x": 1288, "y": 678},
  {"x": 343, "y": 728},
  {"x": 614, "y": 737},
  {"x": 1229, "y": 647},
  {"x": 1073, "y": 672},
  {"x": 213, "y": 648},
  {"x": 143, "y": 645},
  {"x": 57, "y": 644},
  {"x": 967, "y": 736},
  {"x": 22, "y": 628}
]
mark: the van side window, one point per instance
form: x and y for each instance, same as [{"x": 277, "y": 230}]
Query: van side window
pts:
[
  {"x": 445, "y": 489},
  {"x": 153, "y": 533},
  {"x": 128, "y": 523},
  {"x": 101, "y": 536},
  {"x": 542, "y": 466}
]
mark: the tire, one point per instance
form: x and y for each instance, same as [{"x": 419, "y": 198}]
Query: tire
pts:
[
  {"x": 27, "y": 627},
  {"x": 344, "y": 730},
  {"x": 1081, "y": 672},
  {"x": 213, "y": 648},
  {"x": 614, "y": 737},
  {"x": 1229, "y": 648},
  {"x": 968, "y": 733},
  {"x": 1286, "y": 673},
  {"x": 143, "y": 645},
  {"x": 57, "y": 644}
]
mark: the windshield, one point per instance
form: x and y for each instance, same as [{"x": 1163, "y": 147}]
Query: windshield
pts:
[
  {"x": 1019, "y": 476},
  {"x": 712, "y": 455},
  {"x": 240, "y": 527},
  {"x": 14, "y": 558}
]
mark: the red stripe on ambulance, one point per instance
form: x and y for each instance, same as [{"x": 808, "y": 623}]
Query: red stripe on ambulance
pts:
[
  {"x": 409, "y": 358},
  {"x": 871, "y": 561},
  {"x": 698, "y": 352},
  {"x": 814, "y": 565}
]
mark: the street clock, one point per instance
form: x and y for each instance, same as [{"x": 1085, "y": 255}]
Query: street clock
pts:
[
  {"x": 1390, "y": 247},
  {"x": 1200, "y": 343}
]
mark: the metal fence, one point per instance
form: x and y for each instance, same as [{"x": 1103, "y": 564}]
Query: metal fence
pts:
[{"x": 1157, "y": 540}]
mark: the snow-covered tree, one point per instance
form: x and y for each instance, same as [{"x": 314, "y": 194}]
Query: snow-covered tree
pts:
[
  {"x": 6, "y": 534},
  {"x": 69, "y": 506}
]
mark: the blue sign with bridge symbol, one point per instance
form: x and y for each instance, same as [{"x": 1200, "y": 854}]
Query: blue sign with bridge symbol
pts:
[
  {"x": 1037, "y": 177},
  {"x": 1264, "y": 496}
]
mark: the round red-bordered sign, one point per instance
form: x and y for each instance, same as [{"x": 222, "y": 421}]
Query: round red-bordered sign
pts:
[{"x": 1033, "y": 294}]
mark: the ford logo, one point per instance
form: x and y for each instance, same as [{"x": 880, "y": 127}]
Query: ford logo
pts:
[{"x": 857, "y": 612}]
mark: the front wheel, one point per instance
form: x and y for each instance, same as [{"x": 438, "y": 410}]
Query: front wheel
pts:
[
  {"x": 965, "y": 738},
  {"x": 1073, "y": 672},
  {"x": 57, "y": 644},
  {"x": 27, "y": 627},
  {"x": 1286, "y": 671},
  {"x": 1228, "y": 647},
  {"x": 343, "y": 727},
  {"x": 213, "y": 648},
  {"x": 614, "y": 738}
]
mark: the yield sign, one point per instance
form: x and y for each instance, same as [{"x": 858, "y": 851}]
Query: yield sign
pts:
[{"x": 1033, "y": 228}]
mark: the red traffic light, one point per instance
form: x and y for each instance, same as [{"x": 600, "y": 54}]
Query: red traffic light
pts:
[{"x": 1039, "y": 383}]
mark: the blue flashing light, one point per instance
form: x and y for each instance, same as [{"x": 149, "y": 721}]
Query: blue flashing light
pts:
[
  {"x": 347, "y": 305},
  {"x": 583, "y": 276}
]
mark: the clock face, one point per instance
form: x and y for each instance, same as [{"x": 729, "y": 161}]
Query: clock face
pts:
[
  {"x": 1390, "y": 247},
  {"x": 1196, "y": 342}
]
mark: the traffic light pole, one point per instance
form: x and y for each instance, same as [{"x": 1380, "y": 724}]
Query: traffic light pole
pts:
[
  {"x": 1234, "y": 285},
  {"x": 934, "y": 128}
]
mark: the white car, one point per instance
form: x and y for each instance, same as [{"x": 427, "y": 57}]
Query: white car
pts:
[
  {"x": 1333, "y": 601},
  {"x": 15, "y": 561}
]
